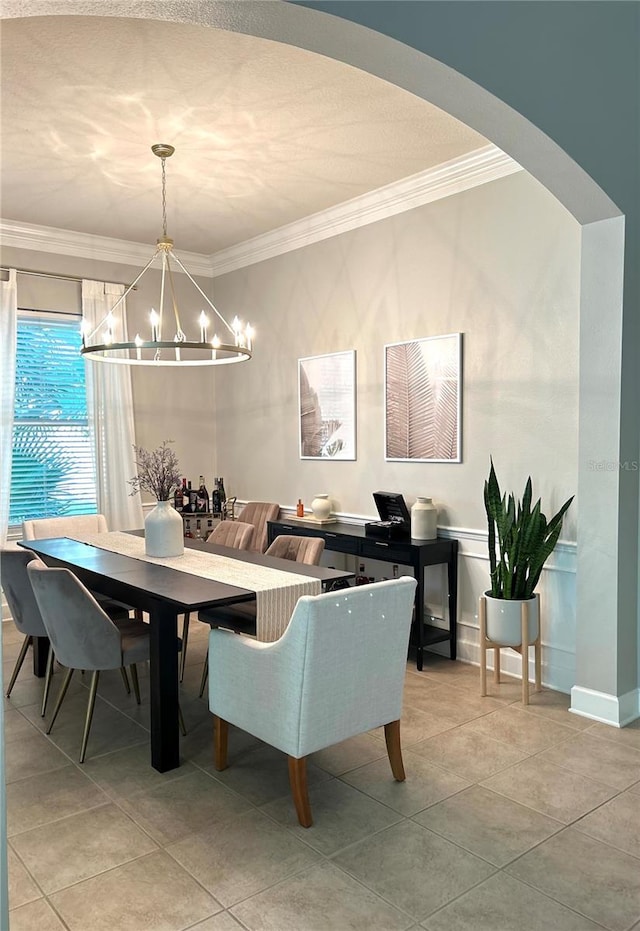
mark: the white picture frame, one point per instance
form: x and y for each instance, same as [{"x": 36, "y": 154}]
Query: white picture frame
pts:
[
  {"x": 422, "y": 398},
  {"x": 327, "y": 406}
]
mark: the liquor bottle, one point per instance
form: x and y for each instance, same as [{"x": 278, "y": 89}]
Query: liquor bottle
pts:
[
  {"x": 223, "y": 496},
  {"x": 361, "y": 578},
  {"x": 216, "y": 504},
  {"x": 198, "y": 530},
  {"x": 193, "y": 499},
  {"x": 300, "y": 508},
  {"x": 178, "y": 499},
  {"x": 395, "y": 572},
  {"x": 187, "y": 529},
  {"x": 209, "y": 528},
  {"x": 203, "y": 497}
]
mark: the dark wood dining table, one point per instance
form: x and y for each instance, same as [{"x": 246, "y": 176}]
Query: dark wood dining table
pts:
[{"x": 163, "y": 593}]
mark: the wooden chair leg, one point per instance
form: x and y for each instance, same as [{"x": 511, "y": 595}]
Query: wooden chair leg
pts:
[
  {"x": 20, "y": 660},
  {"x": 93, "y": 688},
  {"x": 483, "y": 646},
  {"x": 524, "y": 648},
  {"x": 220, "y": 742},
  {"x": 394, "y": 750},
  {"x": 298, "y": 781}
]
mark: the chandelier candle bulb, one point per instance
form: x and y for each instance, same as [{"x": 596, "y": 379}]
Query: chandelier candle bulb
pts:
[{"x": 204, "y": 323}]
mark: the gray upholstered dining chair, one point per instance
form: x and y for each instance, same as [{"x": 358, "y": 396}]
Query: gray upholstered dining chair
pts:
[
  {"x": 83, "y": 636},
  {"x": 43, "y": 528},
  {"x": 235, "y": 534},
  {"x": 337, "y": 671},
  {"x": 258, "y": 513},
  {"x": 242, "y": 617},
  {"x": 24, "y": 611}
]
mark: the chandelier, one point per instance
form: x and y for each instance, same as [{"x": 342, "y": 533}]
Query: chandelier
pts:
[{"x": 168, "y": 344}]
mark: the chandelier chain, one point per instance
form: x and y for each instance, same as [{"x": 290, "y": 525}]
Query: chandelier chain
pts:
[{"x": 164, "y": 199}]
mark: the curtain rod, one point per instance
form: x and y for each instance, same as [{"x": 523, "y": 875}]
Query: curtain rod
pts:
[{"x": 26, "y": 271}]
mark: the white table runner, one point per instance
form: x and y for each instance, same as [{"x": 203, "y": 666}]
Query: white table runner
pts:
[{"x": 277, "y": 592}]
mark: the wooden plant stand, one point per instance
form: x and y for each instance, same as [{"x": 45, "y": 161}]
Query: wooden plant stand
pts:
[{"x": 522, "y": 648}]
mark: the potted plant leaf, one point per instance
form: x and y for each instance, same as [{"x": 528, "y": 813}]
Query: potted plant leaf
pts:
[{"x": 521, "y": 539}]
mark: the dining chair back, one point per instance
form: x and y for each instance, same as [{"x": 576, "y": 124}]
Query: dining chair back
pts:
[
  {"x": 301, "y": 549},
  {"x": 337, "y": 671},
  {"x": 83, "y": 636},
  {"x": 233, "y": 533},
  {"x": 258, "y": 513},
  {"x": 24, "y": 609},
  {"x": 46, "y": 527}
]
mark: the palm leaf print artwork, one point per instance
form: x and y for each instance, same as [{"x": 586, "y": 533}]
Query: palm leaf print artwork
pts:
[{"x": 422, "y": 388}]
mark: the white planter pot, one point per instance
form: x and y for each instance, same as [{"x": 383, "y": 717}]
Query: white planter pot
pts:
[
  {"x": 163, "y": 531},
  {"x": 321, "y": 507},
  {"x": 504, "y": 620}
]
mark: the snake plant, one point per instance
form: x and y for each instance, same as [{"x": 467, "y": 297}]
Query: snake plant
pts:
[{"x": 520, "y": 540}]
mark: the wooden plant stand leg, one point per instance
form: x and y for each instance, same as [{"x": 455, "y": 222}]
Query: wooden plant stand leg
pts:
[
  {"x": 537, "y": 647},
  {"x": 524, "y": 649},
  {"x": 496, "y": 665}
]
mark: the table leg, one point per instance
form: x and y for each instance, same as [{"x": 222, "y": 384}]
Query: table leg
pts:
[
  {"x": 163, "y": 675},
  {"x": 40, "y": 654},
  {"x": 452, "y": 575}
]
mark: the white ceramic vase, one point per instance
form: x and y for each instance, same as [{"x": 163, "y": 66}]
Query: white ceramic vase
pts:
[
  {"x": 321, "y": 507},
  {"x": 163, "y": 531},
  {"x": 504, "y": 619},
  {"x": 424, "y": 520}
]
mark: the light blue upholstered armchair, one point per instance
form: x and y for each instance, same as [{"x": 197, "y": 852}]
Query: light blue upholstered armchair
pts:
[{"x": 337, "y": 670}]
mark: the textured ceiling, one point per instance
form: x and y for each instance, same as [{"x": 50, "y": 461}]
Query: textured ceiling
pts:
[{"x": 264, "y": 133}]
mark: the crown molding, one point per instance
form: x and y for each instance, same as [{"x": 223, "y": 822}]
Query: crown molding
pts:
[
  {"x": 86, "y": 246},
  {"x": 459, "y": 174}
]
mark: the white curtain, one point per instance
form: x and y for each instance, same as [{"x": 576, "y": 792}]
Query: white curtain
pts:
[
  {"x": 110, "y": 407},
  {"x": 8, "y": 330}
]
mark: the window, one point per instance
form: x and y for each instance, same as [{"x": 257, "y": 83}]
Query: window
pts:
[{"x": 52, "y": 470}]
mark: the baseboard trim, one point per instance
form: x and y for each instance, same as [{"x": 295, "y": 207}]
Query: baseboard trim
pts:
[{"x": 616, "y": 710}]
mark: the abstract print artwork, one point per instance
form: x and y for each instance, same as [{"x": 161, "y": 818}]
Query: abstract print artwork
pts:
[
  {"x": 422, "y": 399},
  {"x": 327, "y": 404}
]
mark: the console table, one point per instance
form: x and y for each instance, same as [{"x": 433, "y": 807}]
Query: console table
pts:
[{"x": 352, "y": 539}]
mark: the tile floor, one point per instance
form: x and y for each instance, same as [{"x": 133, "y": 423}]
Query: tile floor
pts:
[{"x": 509, "y": 818}]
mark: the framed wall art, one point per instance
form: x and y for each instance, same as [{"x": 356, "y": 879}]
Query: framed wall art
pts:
[
  {"x": 327, "y": 406},
  {"x": 422, "y": 385}
]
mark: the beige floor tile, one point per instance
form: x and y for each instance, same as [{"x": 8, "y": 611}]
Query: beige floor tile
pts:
[
  {"x": 250, "y": 854},
  {"x": 530, "y": 734},
  {"x": 502, "y": 903},
  {"x": 320, "y": 899},
  {"x": 48, "y": 797},
  {"x": 455, "y": 704},
  {"x": 604, "y": 760},
  {"x": 183, "y": 806},
  {"x": 555, "y": 792},
  {"x": 416, "y": 725},
  {"x": 223, "y": 921},
  {"x": 36, "y": 916},
  {"x": 488, "y": 825},
  {"x": 127, "y": 772},
  {"x": 152, "y": 892},
  {"x": 261, "y": 774},
  {"x": 586, "y": 875},
  {"x": 554, "y": 706},
  {"x": 628, "y": 736},
  {"x": 16, "y": 726},
  {"x": 413, "y": 868},
  {"x": 425, "y": 784},
  {"x": 616, "y": 822},
  {"x": 469, "y": 755},
  {"x": 31, "y": 756},
  {"x": 348, "y": 754},
  {"x": 341, "y": 816},
  {"x": 110, "y": 730},
  {"x": 68, "y": 851},
  {"x": 22, "y": 888}
]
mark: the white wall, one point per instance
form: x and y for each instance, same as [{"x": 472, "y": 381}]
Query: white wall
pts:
[{"x": 499, "y": 263}]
